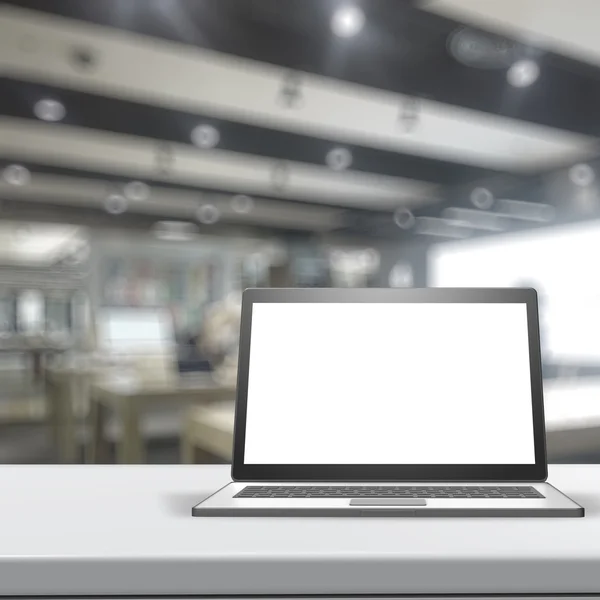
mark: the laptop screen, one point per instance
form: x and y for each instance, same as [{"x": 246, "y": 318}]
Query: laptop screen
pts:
[{"x": 387, "y": 383}]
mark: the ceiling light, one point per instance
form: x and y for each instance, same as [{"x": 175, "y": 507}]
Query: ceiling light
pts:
[
  {"x": 49, "y": 110},
  {"x": 205, "y": 136},
  {"x": 115, "y": 204},
  {"x": 404, "y": 218},
  {"x": 208, "y": 214},
  {"x": 347, "y": 21},
  {"x": 16, "y": 175},
  {"x": 242, "y": 203},
  {"x": 339, "y": 159},
  {"x": 482, "y": 198},
  {"x": 136, "y": 191},
  {"x": 582, "y": 175},
  {"x": 523, "y": 73}
]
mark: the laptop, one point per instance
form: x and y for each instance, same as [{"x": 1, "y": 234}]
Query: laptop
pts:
[{"x": 389, "y": 403}]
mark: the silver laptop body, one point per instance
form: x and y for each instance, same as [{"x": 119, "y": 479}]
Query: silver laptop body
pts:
[{"x": 389, "y": 403}]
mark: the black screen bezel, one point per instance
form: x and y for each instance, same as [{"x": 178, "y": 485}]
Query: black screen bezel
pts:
[{"x": 386, "y": 472}]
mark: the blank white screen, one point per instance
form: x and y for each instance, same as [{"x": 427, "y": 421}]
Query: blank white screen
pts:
[{"x": 389, "y": 384}]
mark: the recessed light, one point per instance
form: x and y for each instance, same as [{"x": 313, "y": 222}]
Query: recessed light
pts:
[
  {"x": 523, "y": 73},
  {"x": 582, "y": 175},
  {"x": 136, "y": 191},
  {"x": 482, "y": 198},
  {"x": 115, "y": 204},
  {"x": 339, "y": 159},
  {"x": 241, "y": 203},
  {"x": 205, "y": 136},
  {"x": 404, "y": 218},
  {"x": 16, "y": 175},
  {"x": 208, "y": 214},
  {"x": 50, "y": 110},
  {"x": 347, "y": 21}
]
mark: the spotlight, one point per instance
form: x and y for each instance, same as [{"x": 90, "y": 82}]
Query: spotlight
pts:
[
  {"x": 205, "y": 136},
  {"x": 208, "y": 214},
  {"x": 582, "y": 175},
  {"x": 16, "y": 175},
  {"x": 523, "y": 73},
  {"x": 49, "y": 110},
  {"x": 404, "y": 218},
  {"x": 347, "y": 21},
  {"x": 482, "y": 198},
  {"x": 241, "y": 203},
  {"x": 339, "y": 159},
  {"x": 136, "y": 191},
  {"x": 115, "y": 204}
]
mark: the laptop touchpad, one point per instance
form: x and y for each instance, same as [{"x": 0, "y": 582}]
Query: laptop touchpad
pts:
[{"x": 388, "y": 502}]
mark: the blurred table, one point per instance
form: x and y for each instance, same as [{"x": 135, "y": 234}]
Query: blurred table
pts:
[
  {"x": 129, "y": 398},
  {"x": 208, "y": 430}
]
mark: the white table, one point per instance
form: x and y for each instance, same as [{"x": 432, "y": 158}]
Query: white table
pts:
[{"x": 124, "y": 530}]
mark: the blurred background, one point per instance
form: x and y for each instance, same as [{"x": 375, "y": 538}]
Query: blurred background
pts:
[{"x": 159, "y": 156}]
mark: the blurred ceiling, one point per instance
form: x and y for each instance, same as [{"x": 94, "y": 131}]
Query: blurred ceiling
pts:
[{"x": 379, "y": 117}]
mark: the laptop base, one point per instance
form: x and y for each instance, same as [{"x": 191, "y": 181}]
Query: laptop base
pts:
[{"x": 224, "y": 504}]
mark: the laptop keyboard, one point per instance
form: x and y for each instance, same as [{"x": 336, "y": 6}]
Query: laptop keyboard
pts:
[{"x": 388, "y": 491}]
